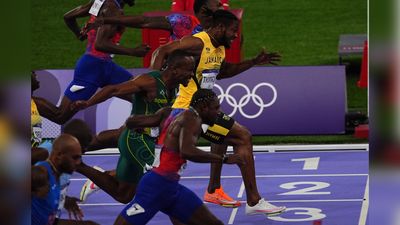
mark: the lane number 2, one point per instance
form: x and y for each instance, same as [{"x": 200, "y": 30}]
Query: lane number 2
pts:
[{"x": 315, "y": 185}]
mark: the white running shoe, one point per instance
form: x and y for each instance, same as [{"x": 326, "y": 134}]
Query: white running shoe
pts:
[
  {"x": 89, "y": 187},
  {"x": 264, "y": 207}
]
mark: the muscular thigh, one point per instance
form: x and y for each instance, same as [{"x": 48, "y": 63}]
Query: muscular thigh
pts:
[{"x": 185, "y": 204}]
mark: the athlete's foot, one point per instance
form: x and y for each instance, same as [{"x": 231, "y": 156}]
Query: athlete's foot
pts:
[
  {"x": 264, "y": 207},
  {"x": 219, "y": 197}
]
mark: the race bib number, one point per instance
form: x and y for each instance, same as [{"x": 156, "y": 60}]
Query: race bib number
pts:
[
  {"x": 94, "y": 10},
  {"x": 135, "y": 209},
  {"x": 209, "y": 78},
  {"x": 37, "y": 134},
  {"x": 157, "y": 154}
]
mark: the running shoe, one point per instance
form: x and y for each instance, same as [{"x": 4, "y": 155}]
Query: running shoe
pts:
[
  {"x": 219, "y": 197},
  {"x": 89, "y": 187},
  {"x": 264, "y": 207}
]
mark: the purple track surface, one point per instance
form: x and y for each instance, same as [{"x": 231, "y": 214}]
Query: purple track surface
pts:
[{"x": 325, "y": 186}]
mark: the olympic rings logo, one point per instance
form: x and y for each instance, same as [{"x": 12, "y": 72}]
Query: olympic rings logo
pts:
[{"x": 245, "y": 99}]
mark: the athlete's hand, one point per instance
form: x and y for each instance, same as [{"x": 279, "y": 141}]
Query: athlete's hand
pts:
[
  {"x": 71, "y": 205},
  {"x": 83, "y": 33},
  {"x": 235, "y": 159},
  {"x": 267, "y": 58},
  {"x": 79, "y": 105},
  {"x": 141, "y": 51}
]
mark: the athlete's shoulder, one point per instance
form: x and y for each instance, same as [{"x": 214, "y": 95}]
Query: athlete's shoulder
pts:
[{"x": 110, "y": 8}]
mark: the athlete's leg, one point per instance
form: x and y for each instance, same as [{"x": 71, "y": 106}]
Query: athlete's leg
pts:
[
  {"x": 121, "y": 221},
  {"x": 189, "y": 208},
  {"x": 240, "y": 138},
  {"x": 203, "y": 216},
  {"x": 121, "y": 191},
  {"x": 216, "y": 168},
  {"x": 216, "y": 134}
]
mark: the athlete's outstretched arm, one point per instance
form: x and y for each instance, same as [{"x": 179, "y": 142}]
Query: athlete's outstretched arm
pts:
[
  {"x": 129, "y": 87},
  {"x": 106, "y": 33},
  {"x": 190, "y": 44},
  {"x": 229, "y": 70},
  {"x": 153, "y": 120},
  {"x": 139, "y": 21},
  {"x": 71, "y": 16},
  {"x": 188, "y": 135}
]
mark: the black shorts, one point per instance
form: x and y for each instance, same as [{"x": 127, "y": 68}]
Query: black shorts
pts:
[{"x": 217, "y": 133}]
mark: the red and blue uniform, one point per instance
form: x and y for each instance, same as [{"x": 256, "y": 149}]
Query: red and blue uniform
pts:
[
  {"x": 95, "y": 69},
  {"x": 159, "y": 190},
  {"x": 183, "y": 25}
]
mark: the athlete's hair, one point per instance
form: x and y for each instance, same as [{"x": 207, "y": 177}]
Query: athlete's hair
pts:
[
  {"x": 198, "y": 4},
  {"x": 223, "y": 17},
  {"x": 202, "y": 96},
  {"x": 80, "y": 130},
  {"x": 175, "y": 58}
]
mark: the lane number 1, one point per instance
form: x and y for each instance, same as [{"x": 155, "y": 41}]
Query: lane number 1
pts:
[{"x": 309, "y": 163}]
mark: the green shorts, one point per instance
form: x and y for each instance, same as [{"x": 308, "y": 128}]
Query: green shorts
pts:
[
  {"x": 137, "y": 153},
  {"x": 217, "y": 133}
]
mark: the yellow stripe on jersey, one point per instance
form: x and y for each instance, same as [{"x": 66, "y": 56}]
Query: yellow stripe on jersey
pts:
[{"x": 219, "y": 129}]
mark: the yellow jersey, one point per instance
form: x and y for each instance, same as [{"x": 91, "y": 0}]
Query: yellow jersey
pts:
[{"x": 210, "y": 62}]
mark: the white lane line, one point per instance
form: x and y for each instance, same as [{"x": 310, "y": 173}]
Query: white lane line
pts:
[
  {"x": 266, "y": 176},
  {"x": 116, "y": 152},
  {"x": 365, "y": 205},
  {"x": 243, "y": 202},
  {"x": 234, "y": 211},
  {"x": 233, "y": 215},
  {"x": 268, "y": 148}
]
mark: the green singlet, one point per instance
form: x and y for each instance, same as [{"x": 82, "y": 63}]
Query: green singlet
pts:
[{"x": 137, "y": 147}]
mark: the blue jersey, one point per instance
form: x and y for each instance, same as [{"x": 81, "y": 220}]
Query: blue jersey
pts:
[
  {"x": 44, "y": 210},
  {"x": 64, "y": 178}
]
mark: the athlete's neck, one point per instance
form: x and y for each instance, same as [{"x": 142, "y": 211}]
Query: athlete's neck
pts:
[
  {"x": 194, "y": 110},
  {"x": 54, "y": 168},
  {"x": 167, "y": 78},
  {"x": 214, "y": 41}
]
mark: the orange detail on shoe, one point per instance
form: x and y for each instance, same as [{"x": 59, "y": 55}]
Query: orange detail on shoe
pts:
[{"x": 219, "y": 197}]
